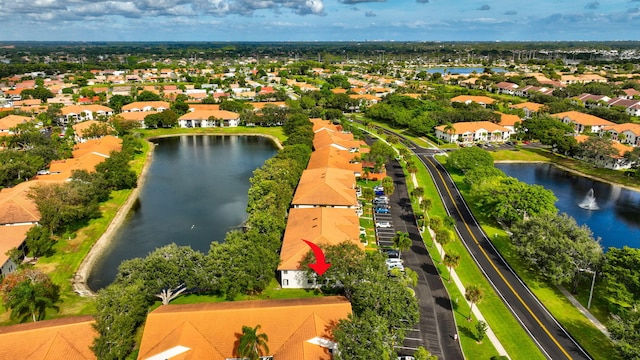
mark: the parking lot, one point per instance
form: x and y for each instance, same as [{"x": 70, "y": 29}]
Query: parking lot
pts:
[{"x": 384, "y": 234}]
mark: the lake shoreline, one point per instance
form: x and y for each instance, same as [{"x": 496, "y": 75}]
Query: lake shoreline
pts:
[
  {"x": 79, "y": 281},
  {"x": 567, "y": 169}
]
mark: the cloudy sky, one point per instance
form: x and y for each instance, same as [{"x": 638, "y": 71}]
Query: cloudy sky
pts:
[{"x": 322, "y": 20}]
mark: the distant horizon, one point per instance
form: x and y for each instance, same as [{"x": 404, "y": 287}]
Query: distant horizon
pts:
[{"x": 319, "y": 20}]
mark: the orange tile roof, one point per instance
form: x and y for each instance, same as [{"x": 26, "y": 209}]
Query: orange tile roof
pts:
[
  {"x": 59, "y": 339},
  {"x": 11, "y": 121},
  {"x": 205, "y": 114},
  {"x": 583, "y": 119},
  {"x": 104, "y": 146},
  {"x": 211, "y": 330},
  {"x": 326, "y": 186},
  {"x": 325, "y": 137},
  {"x": 81, "y": 127},
  {"x": 136, "y": 115},
  {"x": 529, "y": 105},
  {"x": 621, "y": 148},
  {"x": 477, "y": 99},
  {"x": 339, "y": 91},
  {"x": 196, "y": 107},
  {"x": 335, "y": 158},
  {"x": 11, "y": 237},
  {"x": 473, "y": 126},
  {"x": 319, "y": 124},
  {"x": 63, "y": 170},
  {"x": 139, "y": 105},
  {"x": 15, "y": 205},
  {"x": 367, "y": 97},
  {"x": 261, "y": 105},
  {"x": 321, "y": 226},
  {"x": 76, "y": 109},
  {"x": 631, "y": 127},
  {"x": 508, "y": 119}
]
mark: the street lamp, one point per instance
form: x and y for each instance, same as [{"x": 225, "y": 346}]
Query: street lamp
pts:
[{"x": 593, "y": 282}]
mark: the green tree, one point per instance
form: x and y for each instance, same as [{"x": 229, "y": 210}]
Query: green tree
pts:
[
  {"x": 596, "y": 150},
  {"x": 251, "y": 344},
  {"x": 469, "y": 158},
  {"x": 557, "y": 247},
  {"x": 481, "y": 174},
  {"x": 364, "y": 336},
  {"x": 402, "y": 241},
  {"x": 117, "y": 172},
  {"x": 423, "y": 354},
  {"x": 625, "y": 331},
  {"x": 28, "y": 293},
  {"x": 147, "y": 95},
  {"x": 451, "y": 260},
  {"x": 474, "y": 295},
  {"x": 481, "y": 330},
  {"x": 418, "y": 192},
  {"x": 39, "y": 241},
  {"x": 621, "y": 278}
]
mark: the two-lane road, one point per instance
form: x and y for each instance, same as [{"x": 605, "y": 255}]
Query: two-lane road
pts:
[{"x": 546, "y": 332}]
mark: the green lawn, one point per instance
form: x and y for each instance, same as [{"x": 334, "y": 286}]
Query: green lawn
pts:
[
  {"x": 512, "y": 336},
  {"x": 596, "y": 343}
]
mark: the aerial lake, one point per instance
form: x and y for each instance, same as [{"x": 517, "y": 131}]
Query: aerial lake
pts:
[
  {"x": 195, "y": 191},
  {"x": 617, "y": 219},
  {"x": 461, "y": 70}
]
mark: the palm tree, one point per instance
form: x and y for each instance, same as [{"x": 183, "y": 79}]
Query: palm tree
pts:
[
  {"x": 451, "y": 261},
  {"x": 252, "y": 344},
  {"x": 449, "y": 129},
  {"x": 28, "y": 298},
  {"x": 402, "y": 241},
  {"x": 474, "y": 295}
]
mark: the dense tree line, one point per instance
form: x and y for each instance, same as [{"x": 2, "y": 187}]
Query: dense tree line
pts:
[
  {"x": 245, "y": 263},
  {"x": 383, "y": 306}
]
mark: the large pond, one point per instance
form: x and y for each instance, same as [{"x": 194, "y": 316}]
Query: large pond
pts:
[
  {"x": 195, "y": 191},
  {"x": 617, "y": 219}
]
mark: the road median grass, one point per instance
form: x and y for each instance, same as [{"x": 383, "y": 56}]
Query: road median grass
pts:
[
  {"x": 585, "y": 333},
  {"x": 505, "y": 326}
]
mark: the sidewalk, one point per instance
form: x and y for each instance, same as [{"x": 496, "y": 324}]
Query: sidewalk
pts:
[
  {"x": 490, "y": 334},
  {"x": 584, "y": 311}
]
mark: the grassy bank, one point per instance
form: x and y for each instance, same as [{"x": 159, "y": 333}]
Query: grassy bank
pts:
[{"x": 596, "y": 343}]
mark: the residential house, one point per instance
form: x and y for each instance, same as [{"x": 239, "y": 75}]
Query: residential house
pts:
[
  {"x": 582, "y": 122},
  {"x": 146, "y": 106},
  {"x": 332, "y": 157},
  {"x": 16, "y": 208},
  {"x": 323, "y": 226},
  {"x": 590, "y": 100},
  {"x": 58, "y": 339},
  {"x": 628, "y": 133},
  {"x": 530, "y": 108},
  {"x": 467, "y": 99},
  {"x": 631, "y": 93},
  {"x": 137, "y": 116},
  {"x": 529, "y": 90},
  {"x": 74, "y": 113},
  {"x": 615, "y": 162},
  {"x": 581, "y": 79},
  {"x": 11, "y": 237},
  {"x": 504, "y": 87},
  {"x": 509, "y": 121},
  {"x": 298, "y": 329},
  {"x": 209, "y": 118},
  {"x": 326, "y": 187},
  {"x": 631, "y": 106},
  {"x": 472, "y": 132},
  {"x": 80, "y": 129},
  {"x": 365, "y": 99},
  {"x": 11, "y": 121}
]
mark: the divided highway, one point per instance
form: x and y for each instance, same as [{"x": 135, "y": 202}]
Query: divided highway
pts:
[{"x": 546, "y": 332}]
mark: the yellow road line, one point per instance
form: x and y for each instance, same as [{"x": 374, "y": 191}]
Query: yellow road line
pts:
[{"x": 494, "y": 266}]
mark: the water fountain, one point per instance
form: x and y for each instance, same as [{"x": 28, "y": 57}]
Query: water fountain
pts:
[{"x": 589, "y": 202}]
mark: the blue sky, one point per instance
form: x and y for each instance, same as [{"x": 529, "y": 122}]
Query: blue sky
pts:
[{"x": 319, "y": 20}]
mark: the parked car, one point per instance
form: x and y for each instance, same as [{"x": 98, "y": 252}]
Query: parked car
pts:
[
  {"x": 395, "y": 266},
  {"x": 392, "y": 253},
  {"x": 406, "y": 358},
  {"x": 383, "y": 224},
  {"x": 381, "y": 199},
  {"x": 382, "y": 210},
  {"x": 363, "y": 231},
  {"x": 378, "y": 192},
  {"x": 393, "y": 261}
]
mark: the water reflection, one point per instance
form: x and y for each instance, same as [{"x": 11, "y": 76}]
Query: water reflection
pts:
[
  {"x": 195, "y": 191},
  {"x": 617, "y": 222}
]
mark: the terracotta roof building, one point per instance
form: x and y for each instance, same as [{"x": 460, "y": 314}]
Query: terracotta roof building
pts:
[
  {"x": 15, "y": 206},
  {"x": 326, "y": 187},
  {"x": 10, "y": 121},
  {"x": 200, "y": 118},
  {"x": 335, "y": 158},
  {"x": 146, "y": 106},
  {"x": 529, "y": 108},
  {"x": 298, "y": 329},
  {"x": 59, "y": 339},
  {"x": 11, "y": 237},
  {"x": 627, "y": 133},
  {"x": 473, "y": 132},
  {"x": 467, "y": 99},
  {"x": 583, "y": 122},
  {"x": 321, "y": 226}
]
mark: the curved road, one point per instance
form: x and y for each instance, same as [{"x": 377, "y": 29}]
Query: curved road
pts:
[{"x": 547, "y": 333}]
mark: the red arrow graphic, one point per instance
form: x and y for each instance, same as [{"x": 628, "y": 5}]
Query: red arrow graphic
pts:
[{"x": 320, "y": 267}]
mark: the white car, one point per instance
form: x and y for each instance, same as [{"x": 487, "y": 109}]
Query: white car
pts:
[
  {"x": 363, "y": 231},
  {"x": 395, "y": 266},
  {"x": 393, "y": 261},
  {"x": 383, "y": 224}
]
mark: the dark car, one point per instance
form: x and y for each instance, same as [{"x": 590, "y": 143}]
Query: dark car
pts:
[{"x": 392, "y": 253}]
